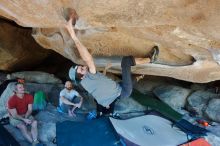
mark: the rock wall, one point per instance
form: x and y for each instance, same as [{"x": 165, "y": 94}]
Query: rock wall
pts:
[{"x": 18, "y": 50}]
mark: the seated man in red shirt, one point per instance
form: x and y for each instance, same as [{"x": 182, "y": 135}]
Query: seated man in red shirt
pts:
[{"x": 20, "y": 109}]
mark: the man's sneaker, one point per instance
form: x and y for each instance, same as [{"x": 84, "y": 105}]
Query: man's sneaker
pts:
[{"x": 154, "y": 54}]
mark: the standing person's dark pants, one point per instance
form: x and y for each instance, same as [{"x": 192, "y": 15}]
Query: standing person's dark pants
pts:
[{"x": 126, "y": 84}]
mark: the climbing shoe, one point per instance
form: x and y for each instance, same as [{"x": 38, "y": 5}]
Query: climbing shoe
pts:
[{"x": 154, "y": 54}]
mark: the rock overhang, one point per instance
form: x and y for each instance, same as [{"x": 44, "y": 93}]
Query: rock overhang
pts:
[{"x": 187, "y": 32}]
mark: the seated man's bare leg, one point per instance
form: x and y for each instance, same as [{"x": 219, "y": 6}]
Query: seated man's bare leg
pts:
[
  {"x": 25, "y": 132},
  {"x": 71, "y": 114},
  {"x": 72, "y": 111},
  {"x": 34, "y": 131}
]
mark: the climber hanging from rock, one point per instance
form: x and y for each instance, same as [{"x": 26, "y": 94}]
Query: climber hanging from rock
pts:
[{"x": 104, "y": 90}]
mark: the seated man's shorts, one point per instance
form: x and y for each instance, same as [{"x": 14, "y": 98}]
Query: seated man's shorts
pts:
[{"x": 14, "y": 122}]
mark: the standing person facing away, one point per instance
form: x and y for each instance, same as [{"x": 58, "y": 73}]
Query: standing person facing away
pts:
[
  {"x": 20, "y": 109},
  {"x": 103, "y": 89},
  {"x": 67, "y": 99}
]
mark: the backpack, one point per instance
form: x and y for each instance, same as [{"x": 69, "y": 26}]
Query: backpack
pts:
[{"x": 39, "y": 100}]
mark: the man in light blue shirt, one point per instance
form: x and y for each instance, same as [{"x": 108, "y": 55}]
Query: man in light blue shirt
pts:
[{"x": 68, "y": 97}]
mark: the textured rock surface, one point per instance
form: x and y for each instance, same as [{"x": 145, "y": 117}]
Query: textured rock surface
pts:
[
  {"x": 212, "y": 110},
  {"x": 36, "y": 77},
  {"x": 174, "y": 96},
  {"x": 183, "y": 30},
  {"x": 18, "y": 50},
  {"x": 212, "y": 139},
  {"x": 147, "y": 83},
  {"x": 2, "y": 77},
  {"x": 199, "y": 100}
]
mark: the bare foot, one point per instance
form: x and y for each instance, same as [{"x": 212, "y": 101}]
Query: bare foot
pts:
[
  {"x": 154, "y": 54},
  {"x": 72, "y": 110},
  {"x": 71, "y": 114},
  {"x": 80, "y": 104},
  {"x": 74, "y": 115}
]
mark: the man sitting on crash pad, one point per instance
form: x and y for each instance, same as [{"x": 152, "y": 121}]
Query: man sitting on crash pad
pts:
[
  {"x": 68, "y": 99},
  {"x": 103, "y": 89},
  {"x": 20, "y": 109}
]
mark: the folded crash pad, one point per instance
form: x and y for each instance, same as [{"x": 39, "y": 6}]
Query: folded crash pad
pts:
[{"x": 97, "y": 132}]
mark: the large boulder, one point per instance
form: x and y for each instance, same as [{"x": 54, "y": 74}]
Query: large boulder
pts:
[
  {"x": 35, "y": 76},
  {"x": 215, "y": 129},
  {"x": 3, "y": 77},
  {"x": 148, "y": 83},
  {"x": 196, "y": 87},
  {"x": 212, "y": 139},
  {"x": 213, "y": 108},
  {"x": 198, "y": 101},
  {"x": 174, "y": 96},
  {"x": 128, "y": 105},
  {"x": 18, "y": 50}
]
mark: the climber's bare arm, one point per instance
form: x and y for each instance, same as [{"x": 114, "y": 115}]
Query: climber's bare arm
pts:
[{"x": 83, "y": 51}]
